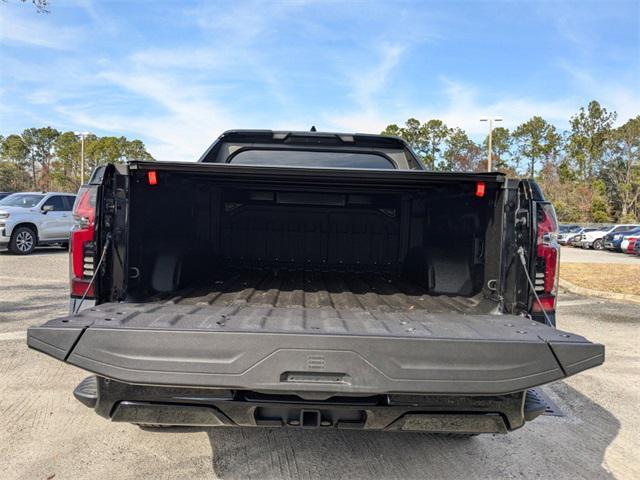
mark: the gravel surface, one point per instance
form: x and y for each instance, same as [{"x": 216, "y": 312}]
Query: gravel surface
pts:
[{"x": 47, "y": 434}]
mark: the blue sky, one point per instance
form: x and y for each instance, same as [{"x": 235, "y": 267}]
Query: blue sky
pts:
[{"x": 178, "y": 73}]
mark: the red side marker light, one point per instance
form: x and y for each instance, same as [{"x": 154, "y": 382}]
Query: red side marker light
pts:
[
  {"x": 152, "y": 177},
  {"x": 547, "y": 303},
  {"x": 480, "y": 189}
]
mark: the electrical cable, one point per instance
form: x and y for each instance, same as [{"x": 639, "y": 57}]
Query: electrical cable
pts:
[
  {"x": 533, "y": 287},
  {"x": 93, "y": 278}
]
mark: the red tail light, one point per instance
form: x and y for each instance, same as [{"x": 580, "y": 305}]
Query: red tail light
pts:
[
  {"x": 82, "y": 244},
  {"x": 548, "y": 258}
]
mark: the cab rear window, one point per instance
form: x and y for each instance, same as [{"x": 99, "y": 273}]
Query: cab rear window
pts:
[{"x": 299, "y": 158}]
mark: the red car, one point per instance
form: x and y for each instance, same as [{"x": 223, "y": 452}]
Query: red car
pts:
[{"x": 629, "y": 243}]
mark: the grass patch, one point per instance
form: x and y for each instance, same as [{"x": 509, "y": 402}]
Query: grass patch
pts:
[{"x": 606, "y": 277}]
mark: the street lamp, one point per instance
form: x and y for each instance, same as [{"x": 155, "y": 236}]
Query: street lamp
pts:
[
  {"x": 490, "y": 120},
  {"x": 82, "y": 135}
]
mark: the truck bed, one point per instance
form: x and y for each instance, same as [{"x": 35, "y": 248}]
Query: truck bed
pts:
[{"x": 371, "y": 292}]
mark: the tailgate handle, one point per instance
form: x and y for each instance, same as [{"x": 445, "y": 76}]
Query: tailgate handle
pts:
[{"x": 315, "y": 377}]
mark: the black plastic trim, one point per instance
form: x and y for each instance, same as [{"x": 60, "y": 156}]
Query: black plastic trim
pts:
[
  {"x": 443, "y": 354},
  {"x": 155, "y": 405},
  {"x": 308, "y": 175}
]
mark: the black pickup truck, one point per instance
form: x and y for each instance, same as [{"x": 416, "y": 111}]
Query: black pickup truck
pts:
[{"x": 309, "y": 279}]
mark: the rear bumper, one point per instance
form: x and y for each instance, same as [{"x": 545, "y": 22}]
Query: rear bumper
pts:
[
  {"x": 149, "y": 405},
  {"x": 312, "y": 350}
]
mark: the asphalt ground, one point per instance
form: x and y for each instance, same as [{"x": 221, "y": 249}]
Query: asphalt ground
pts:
[
  {"x": 47, "y": 434},
  {"x": 580, "y": 255}
]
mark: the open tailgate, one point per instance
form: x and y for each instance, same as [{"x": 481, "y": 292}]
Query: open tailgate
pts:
[{"x": 284, "y": 349}]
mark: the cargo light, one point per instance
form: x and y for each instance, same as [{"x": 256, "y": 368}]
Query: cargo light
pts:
[
  {"x": 152, "y": 177},
  {"x": 481, "y": 188}
]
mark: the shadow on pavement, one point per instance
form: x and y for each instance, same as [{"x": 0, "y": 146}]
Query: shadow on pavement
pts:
[
  {"x": 35, "y": 306},
  {"x": 569, "y": 447}
]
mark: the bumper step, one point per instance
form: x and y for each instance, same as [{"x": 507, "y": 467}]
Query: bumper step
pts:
[
  {"x": 87, "y": 391},
  {"x": 534, "y": 406}
]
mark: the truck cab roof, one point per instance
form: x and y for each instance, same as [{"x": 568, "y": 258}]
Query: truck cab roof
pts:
[{"x": 327, "y": 149}]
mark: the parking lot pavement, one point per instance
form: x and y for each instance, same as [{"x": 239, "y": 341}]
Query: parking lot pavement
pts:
[
  {"x": 46, "y": 432},
  {"x": 32, "y": 288},
  {"x": 579, "y": 255}
]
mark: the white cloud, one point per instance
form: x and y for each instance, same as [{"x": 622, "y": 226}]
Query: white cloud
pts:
[
  {"x": 610, "y": 92},
  {"x": 101, "y": 18},
  {"x": 464, "y": 106},
  {"x": 36, "y": 31},
  {"x": 180, "y": 58},
  {"x": 190, "y": 121},
  {"x": 43, "y": 97},
  {"x": 356, "y": 122},
  {"x": 195, "y": 90},
  {"x": 367, "y": 85},
  {"x": 171, "y": 137},
  {"x": 365, "y": 88}
]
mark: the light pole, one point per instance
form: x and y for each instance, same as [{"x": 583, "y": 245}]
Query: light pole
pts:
[
  {"x": 82, "y": 135},
  {"x": 490, "y": 120}
]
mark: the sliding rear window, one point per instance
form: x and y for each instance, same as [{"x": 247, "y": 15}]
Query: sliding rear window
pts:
[{"x": 307, "y": 158}]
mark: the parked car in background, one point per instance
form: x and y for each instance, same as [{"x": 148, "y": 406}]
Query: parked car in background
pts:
[
  {"x": 574, "y": 239},
  {"x": 613, "y": 241},
  {"x": 595, "y": 239},
  {"x": 30, "y": 219},
  {"x": 628, "y": 243},
  {"x": 636, "y": 248},
  {"x": 566, "y": 232},
  {"x": 4, "y": 194},
  {"x": 566, "y": 227}
]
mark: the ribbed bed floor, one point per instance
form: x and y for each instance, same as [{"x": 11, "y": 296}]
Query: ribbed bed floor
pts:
[{"x": 326, "y": 290}]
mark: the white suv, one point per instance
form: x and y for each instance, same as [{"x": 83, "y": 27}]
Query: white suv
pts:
[
  {"x": 29, "y": 219},
  {"x": 595, "y": 239}
]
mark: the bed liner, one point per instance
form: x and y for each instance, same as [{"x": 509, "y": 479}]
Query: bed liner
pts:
[{"x": 357, "y": 291}]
